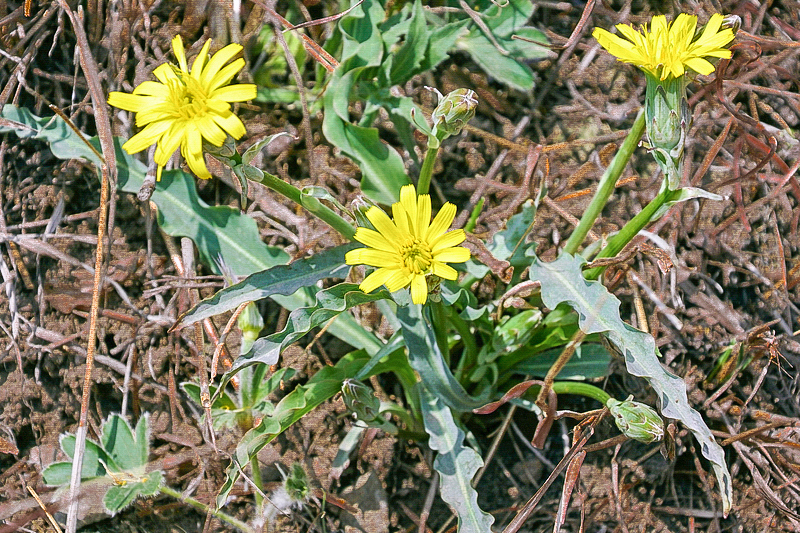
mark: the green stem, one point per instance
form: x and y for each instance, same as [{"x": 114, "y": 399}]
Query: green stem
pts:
[
  {"x": 466, "y": 335},
  {"x": 312, "y": 205},
  {"x": 439, "y": 324},
  {"x": 200, "y": 506},
  {"x": 473, "y": 217},
  {"x": 255, "y": 471},
  {"x": 606, "y": 186},
  {"x": 581, "y": 389},
  {"x": 629, "y": 231},
  {"x": 427, "y": 170}
]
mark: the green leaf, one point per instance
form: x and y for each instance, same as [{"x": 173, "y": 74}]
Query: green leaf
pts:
[
  {"x": 590, "y": 361},
  {"x": 504, "y": 68},
  {"x": 64, "y": 143},
  {"x": 281, "y": 279},
  {"x": 361, "y": 40},
  {"x": 218, "y": 231},
  {"x": 598, "y": 311},
  {"x": 118, "y": 440},
  {"x": 94, "y": 457},
  {"x": 321, "y": 387},
  {"x": 456, "y": 464},
  {"x": 504, "y": 22},
  {"x": 441, "y": 41},
  {"x": 120, "y": 460},
  {"x": 426, "y": 358},
  {"x": 329, "y": 303},
  {"x": 118, "y": 497},
  {"x": 509, "y": 244},
  {"x": 408, "y": 59},
  {"x": 382, "y": 168}
]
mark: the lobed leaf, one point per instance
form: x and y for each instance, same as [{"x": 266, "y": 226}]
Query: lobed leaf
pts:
[
  {"x": 598, "y": 311},
  {"x": 426, "y": 358},
  {"x": 456, "y": 463}
]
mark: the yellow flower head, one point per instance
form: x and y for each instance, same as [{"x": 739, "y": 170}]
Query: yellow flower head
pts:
[
  {"x": 667, "y": 49},
  {"x": 409, "y": 247},
  {"x": 184, "y": 107}
]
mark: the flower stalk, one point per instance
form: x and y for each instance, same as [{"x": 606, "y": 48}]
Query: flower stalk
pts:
[{"x": 606, "y": 186}]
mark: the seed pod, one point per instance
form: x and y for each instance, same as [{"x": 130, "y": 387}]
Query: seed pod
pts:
[
  {"x": 361, "y": 400},
  {"x": 636, "y": 420}
]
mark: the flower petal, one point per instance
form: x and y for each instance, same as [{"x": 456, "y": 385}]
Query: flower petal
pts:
[
  {"x": 444, "y": 271},
  {"x": 451, "y": 238},
  {"x": 376, "y": 279},
  {"x": 231, "y": 124},
  {"x": 458, "y": 254},
  {"x": 149, "y": 136},
  {"x": 373, "y": 239},
  {"x": 217, "y": 60},
  {"x": 192, "y": 151},
  {"x": 384, "y": 224},
  {"x": 200, "y": 60},
  {"x": 376, "y": 258},
  {"x": 128, "y": 102},
  {"x": 180, "y": 53},
  {"x": 225, "y": 75},
  {"x": 210, "y": 131},
  {"x": 419, "y": 290},
  {"x": 240, "y": 92},
  {"x": 398, "y": 280},
  {"x": 442, "y": 221}
]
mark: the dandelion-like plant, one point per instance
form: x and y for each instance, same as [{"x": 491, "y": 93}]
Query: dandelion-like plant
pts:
[
  {"x": 409, "y": 248},
  {"x": 186, "y": 106},
  {"x": 667, "y": 49}
]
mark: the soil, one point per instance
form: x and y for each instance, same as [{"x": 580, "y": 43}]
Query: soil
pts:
[{"x": 736, "y": 266}]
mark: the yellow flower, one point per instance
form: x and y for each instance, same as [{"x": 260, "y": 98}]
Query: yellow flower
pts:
[
  {"x": 669, "y": 48},
  {"x": 410, "y": 247},
  {"x": 184, "y": 107}
]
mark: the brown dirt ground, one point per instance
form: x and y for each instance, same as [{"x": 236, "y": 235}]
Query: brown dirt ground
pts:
[{"x": 735, "y": 278}]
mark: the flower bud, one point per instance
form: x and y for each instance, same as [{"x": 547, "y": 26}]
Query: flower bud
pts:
[
  {"x": 358, "y": 208},
  {"x": 360, "y": 400},
  {"x": 515, "y": 332},
  {"x": 251, "y": 323},
  {"x": 667, "y": 119},
  {"x": 636, "y": 420},
  {"x": 453, "y": 112}
]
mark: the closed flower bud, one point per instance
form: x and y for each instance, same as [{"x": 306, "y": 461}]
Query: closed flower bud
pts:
[
  {"x": 636, "y": 420},
  {"x": 731, "y": 22},
  {"x": 359, "y": 209},
  {"x": 453, "y": 112},
  {"x": 251, "y": 323},
  {"x": 360, "y": 400}
]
